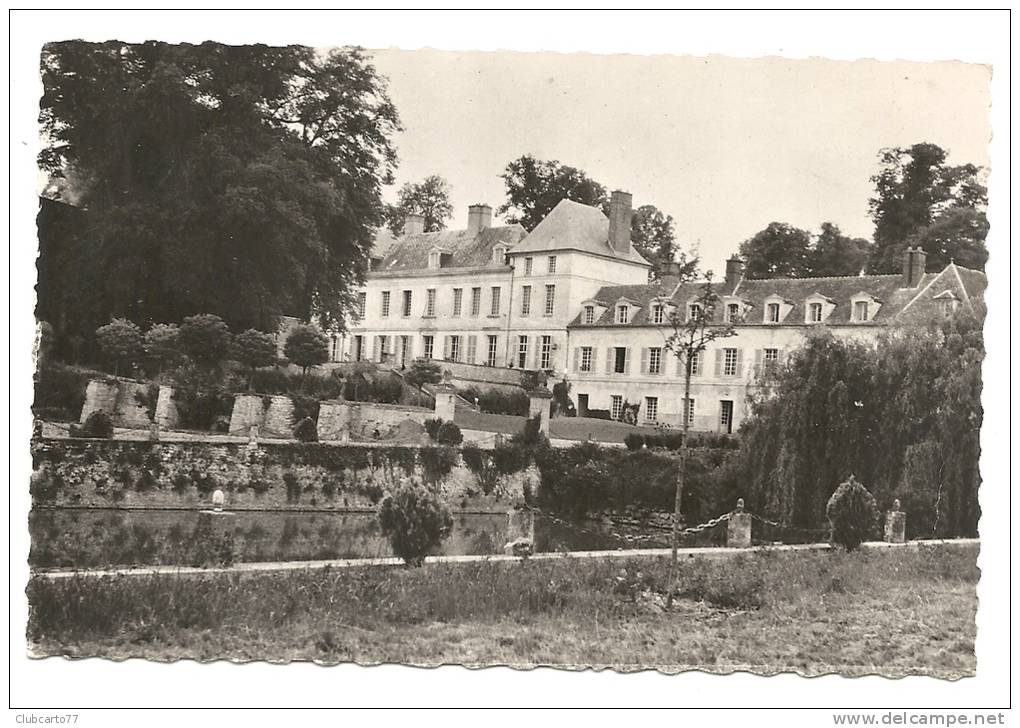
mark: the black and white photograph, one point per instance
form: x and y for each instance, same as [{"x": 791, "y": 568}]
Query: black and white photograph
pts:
[{"x": 362, "y": 353}]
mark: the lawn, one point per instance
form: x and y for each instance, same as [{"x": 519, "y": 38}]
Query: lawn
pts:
[{"x": 895, "y": 611}]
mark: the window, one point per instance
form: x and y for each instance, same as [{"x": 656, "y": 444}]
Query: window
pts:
[
  {"x": 407, "y": 304},
  {"x": 434, "y": 258},
  {"x": 860, "y": 310},
  {"x": 616, "y": 411},
  {"x": 499, "y": 255},
  {"x": 359, "y": 348},
  {"x": 362, "y": 304},
  {"x": 490, "y": 356},
  {"x": 545, "y": 358},
  {"x": 427, "y": 345},
  {"x": 586, "y": 356},
  {"x": 622, "y": 314},
  {"x": 529, "y": 266},
  {"x": 946, "y": 307},
  {"x": 651, "y": 409},
  {"x": 430, "y": 302},
  {"x": 732, "y": 312},
  {"x": 526, "y": 301},
  {"x": 694, "y": 312},
  {"x": 726, "y": 415},
  {"x": 458, "y": 300},
  {"x": 658, "y": 313},
  {"x": 335, "y": 346},
  {"x": 814, "y": 313},
  {"x": 550, "y": 299},
  {"x": 729, "y": 362},
  {"x": 494, "y": 309},
  {"x": 620, "y": 360},
  {"x": 589, "y": 314},
  {"x": 655, "y": 360},
  {"x": 385, "y": 307},
  {"x": 689, "y": 412},
  {"x": 476, "y": 301},
  {"x": 769, "y": 359},
  {"x": 772, "y": 313},
  {"x": 694, "y": 363},
  {"x": 552, "y": 264},
  {"x": 522, "y": 352},
  {"x": 454, "y": 348},
  {"x": 472, "y": 349},
  {"x": 405, "y": 350}
]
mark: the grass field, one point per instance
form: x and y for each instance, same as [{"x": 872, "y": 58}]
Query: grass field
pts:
[{"x": 896, "y": 611}]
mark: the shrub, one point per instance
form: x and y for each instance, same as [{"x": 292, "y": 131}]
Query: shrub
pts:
[
  {"x": 205, "y": 338},
  {"x": 852, "y": 513},
  {"x": 562, "y": 405},
  {"x": 306, "y": 346},
  {"x": 634, "y": 441},
  {"x": 416, "y": 521},
  {"x": 432, "y": 426},
  {"x": 162, "y": 344},
  {"x": 97, "y": 424},
  {"x": 531, "y": 434},
  {"x": 496, "y": 402},
  {"x": 203, "y": 401},
  {"x": 60, "y": 390},
  {"x": 254, "y": 349},
  {"x": 449, "y": 434},
  {"x": 305, "y": 430},
  {"x": 120, "y": 340},
  {"x": 599, "y": 414},
  {"x": 423, "y": 371}
]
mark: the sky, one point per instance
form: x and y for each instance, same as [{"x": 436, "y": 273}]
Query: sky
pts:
[{"x": 724, "y": 145}]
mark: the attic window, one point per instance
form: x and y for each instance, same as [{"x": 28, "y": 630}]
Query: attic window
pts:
[
  {"x": 732, "y": 312},
  {"x": 772, "y": 313},
  {"x": 861, "y": 311},
  {"x": 694, "y": 312},
  {"x": 589, "y": 314},
  {"x": 622, "y": 313},
  {"x": 946, "y": 304},
  {"x": 814, "y": 313},
  {"x": 499, "y": 255},
  {"x": 658, "y": 313},
  {"x": 434, "y": 258}
]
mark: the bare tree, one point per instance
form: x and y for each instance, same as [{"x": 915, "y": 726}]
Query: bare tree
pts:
[{"x": 693, "y": 327}]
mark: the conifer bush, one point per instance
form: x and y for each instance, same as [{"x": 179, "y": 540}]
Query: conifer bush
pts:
[
  {"x": 852, "y": 513},
  {"x": 416, "y": 521}
]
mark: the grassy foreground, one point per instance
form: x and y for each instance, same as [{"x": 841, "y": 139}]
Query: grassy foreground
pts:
[{"x": 896, "y": 611}]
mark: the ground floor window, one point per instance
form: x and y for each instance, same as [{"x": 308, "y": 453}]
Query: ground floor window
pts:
[
  {"x": 522, "y": 352},
  {"x": 472, "y": 353},
  {"x": 651, "y": 409},
  {"x": 454, "y": 353},
  {"x": 726, "y": 416},
  {"x": 490, "y": 356},
  {"x": 359, "y": 348},
  {"x": 616, "y": 412},
  {"x": 428, "y": 344},
  {"x": 546, "y": 353},
  {"x": 335, "y": 347},
  {"x": 405, "y": 350}
]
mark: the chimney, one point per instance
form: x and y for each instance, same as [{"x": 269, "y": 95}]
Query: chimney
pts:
[
  {"x": 479, "y": 217},
  {"x": 913, "y": 266},
  {"x": 734, "y": 272},
  {"x": 620, "y": 214},
  {"x": 414, "y": 224}
]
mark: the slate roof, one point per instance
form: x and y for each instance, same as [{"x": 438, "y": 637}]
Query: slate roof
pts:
[
  {"x": 885, "y": 288},
  {"x": 467, "y": 249},
  {"x": 573, "y": 226}
]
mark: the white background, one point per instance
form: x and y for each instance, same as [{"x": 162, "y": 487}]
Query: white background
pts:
[{"x": 43, "y": 686}]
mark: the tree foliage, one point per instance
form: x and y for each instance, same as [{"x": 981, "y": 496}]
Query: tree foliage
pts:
[
  {"x": 914, "y": 189},
  {"x": 306, "y": 346},
  {"x": 654, "y": 236},
  {"x": 834, "y": 254},
  {"x": 779, "y": 251},
  {"x": 534, "y": 187},
  {"x": 416, "y": 522},
  {"x": 121, "y": 341},
  {"x": 162, "y": 343},
  {"x": 205, "y": 338},
  {"x": 904, "y": 416},
  {"x": 241, "y": 180},
  {"x": 852, "y": 513},
  {"x": 254, "y": 349},
  {"x": 429, "y": 198}
]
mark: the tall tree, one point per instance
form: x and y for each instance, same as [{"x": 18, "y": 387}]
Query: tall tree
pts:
[
  {"x": 429, "y": 198},
  {"x": 836, "y": 254},
  {"x": 239, "y": 180},
  {"x": 654, "y": 236},
  {"x": 957, "y": 235},
  {"x": 778, "y": 251},
  {"x": 914, "y": 188},
  {"x": 534, "y": 187}
]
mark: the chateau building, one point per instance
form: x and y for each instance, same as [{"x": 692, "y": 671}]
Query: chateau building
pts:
[{"x": 573, "y": 298}]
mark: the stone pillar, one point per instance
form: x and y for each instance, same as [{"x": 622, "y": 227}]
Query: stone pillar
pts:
[
  {"x": 540, "y": 403},
  {"x": 166, "y": 410},
  {"x": 895, "y": 524},
  {"x": 520, "y": 532},
  {"x": 100, "y": 396},
  {"x": 738, "y": 529},
  {"x": 446, "y": 402},
  {"x": 248, "y": 411}
]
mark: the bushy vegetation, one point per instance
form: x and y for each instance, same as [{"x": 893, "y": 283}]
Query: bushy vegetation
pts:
[
  {"x": 903, "y": 416},
  {"x": 97, "y": 424},
  {"x": 449, "y": 434},
  {"x": 60, "y": 390},
  {"x": 671, "y": 440},
  {"x": 497, "y": 402},
  {"x": 205, "y": 338},
  {"x": 306, "y": 347},
  {"x": 305, "y": 430},
  {"x": 416, "y": 521},
  {"x": 853, "y": 514},
  {"x": 121, "y": 342}
]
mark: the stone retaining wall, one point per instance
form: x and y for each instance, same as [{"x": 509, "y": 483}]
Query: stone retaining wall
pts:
[
  {"x": 305, "y": 476},
  {"x": 122, "y": 399}
]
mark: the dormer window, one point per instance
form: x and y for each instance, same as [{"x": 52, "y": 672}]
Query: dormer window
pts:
[
  {"x": 499, "y": 255},
  {"x": 694, "y": 311},
  {"x": 776, "y": 309},
  {"x": 622, "y": 313},
  {"x": 946, "y": 303},
  {"x": 863, "y": 308},
  {"x": 861, "y": 311},
  {"x": 589, "y": 314},
  {"x": 434, "y": 258},
  {"x": 817, "y": 308},
  {"x": 659, "y": 313},
  {"x": 732, "y": 312},
  {"x": 772, "y": 313},
  {"x": 814, "y": 312}
]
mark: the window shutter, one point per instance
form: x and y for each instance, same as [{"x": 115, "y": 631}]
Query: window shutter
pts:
[
  {"x": 473, "y": 350},
  {"x": 740, "y": 362},
  {"x": 757, "y": 361},
  {"x": 680, "y": 366},
  {"x": 390, "y": 348},
  {"x": 644, "y": 360},
  {"x": 609, "y": 360},
  {"x": 626, "y": 361},
  {"x": 577, "y": 358},
  {"x": 446, "y": 347},
  {"x": 718, "y": 362},
  {"x": 536, "y": 353}
]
